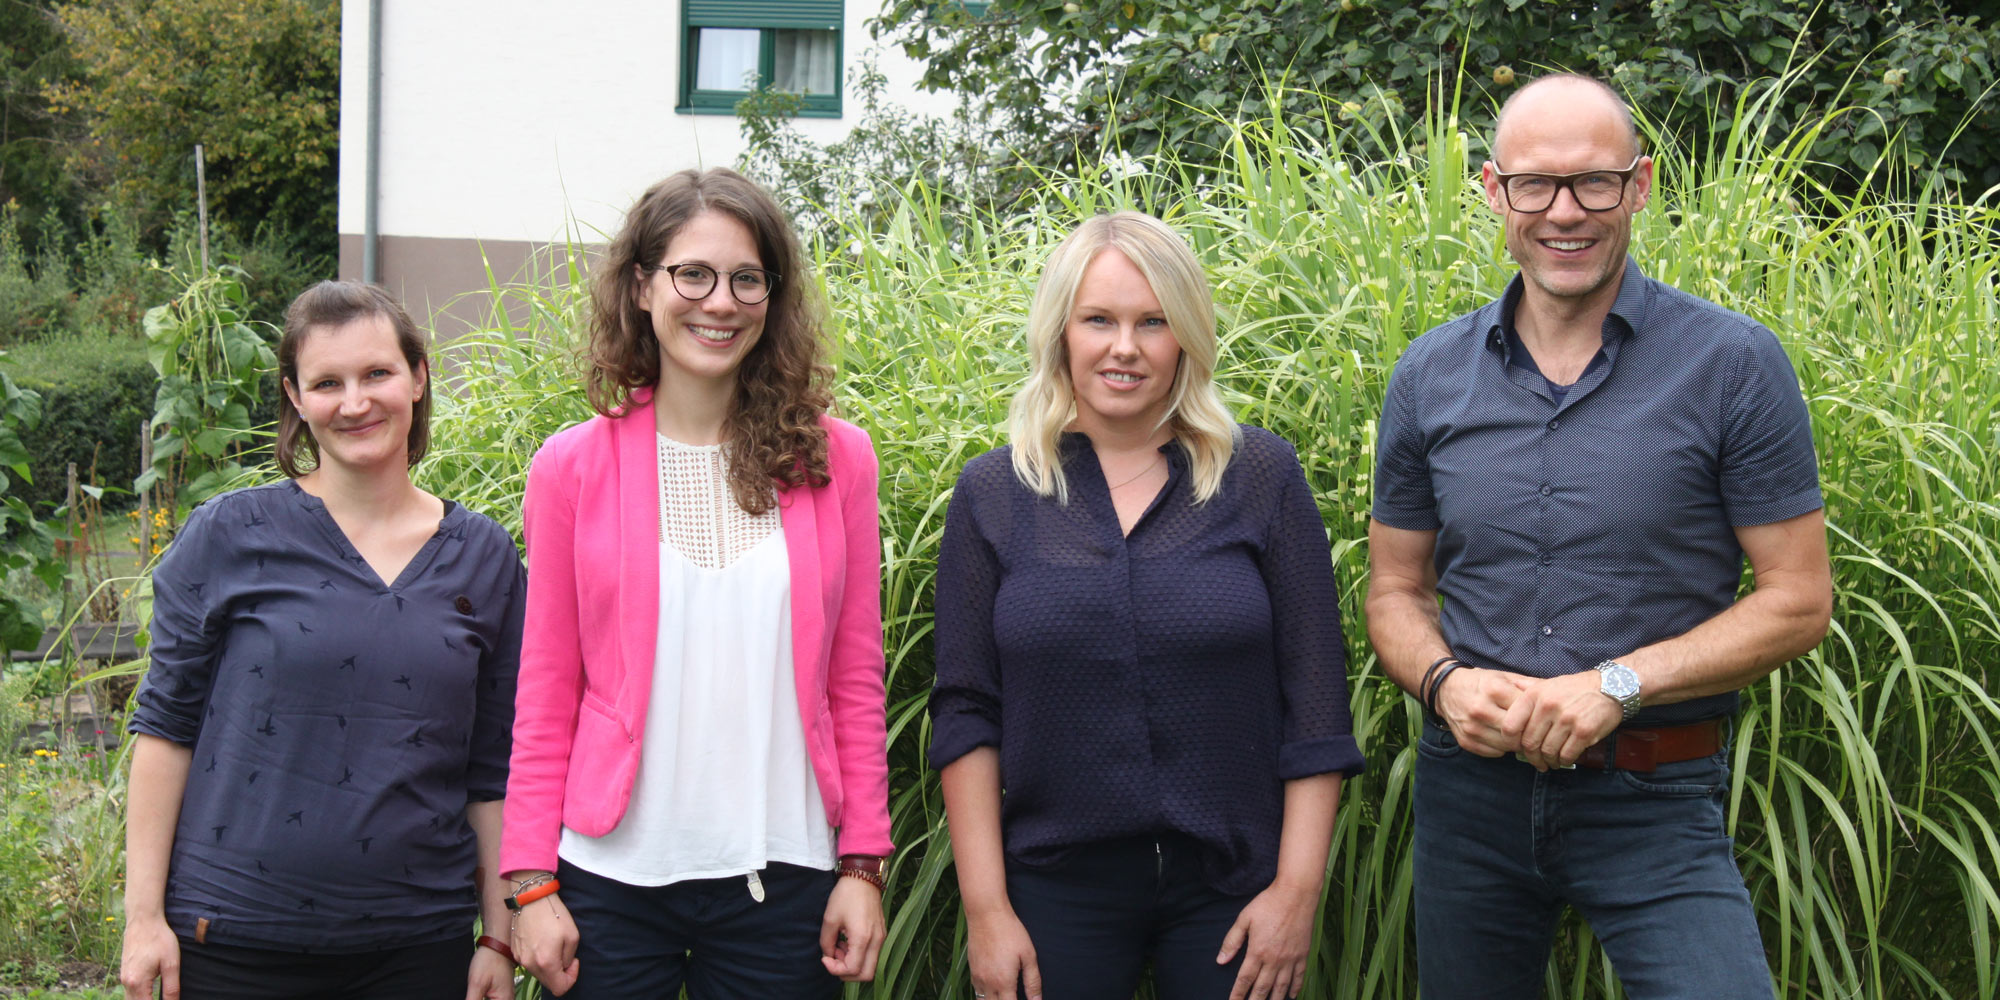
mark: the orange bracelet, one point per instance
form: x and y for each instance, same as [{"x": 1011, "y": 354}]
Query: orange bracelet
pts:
[{"x": 526, "y": 896}]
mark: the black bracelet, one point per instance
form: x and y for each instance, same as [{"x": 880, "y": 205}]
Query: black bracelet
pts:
[
  {"x": 1430, "y": 702},
  {"x": 1424, "y": 685}
]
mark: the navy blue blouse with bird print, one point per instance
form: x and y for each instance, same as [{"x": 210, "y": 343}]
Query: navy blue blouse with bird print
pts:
[{"x": 339, "y": 725}]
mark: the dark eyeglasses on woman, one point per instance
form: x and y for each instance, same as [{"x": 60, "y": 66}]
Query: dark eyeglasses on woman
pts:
[{"x": 748, "y": 285}]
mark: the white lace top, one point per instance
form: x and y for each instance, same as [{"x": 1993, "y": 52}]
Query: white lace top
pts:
[
  {"x": 699, "y": 516},
  {"x": 724, "y": 784}
]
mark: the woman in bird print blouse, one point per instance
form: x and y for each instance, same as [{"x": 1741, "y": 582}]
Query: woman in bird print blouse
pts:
[{"x": 322, "y": 737}]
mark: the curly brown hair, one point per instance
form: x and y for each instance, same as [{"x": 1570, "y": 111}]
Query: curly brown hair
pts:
[{"x": 772, "y": 428}]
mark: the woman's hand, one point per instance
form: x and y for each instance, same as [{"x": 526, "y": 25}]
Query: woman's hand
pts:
[
  {"x": 491, "y": 976},
  {"x": 1277, "y": 926},
  {"x": 545, "y": 943},
  {"x": 1001, "y": 956},
  {"x": 152, "y": 953},
  {"x": 851, "y": 935}
]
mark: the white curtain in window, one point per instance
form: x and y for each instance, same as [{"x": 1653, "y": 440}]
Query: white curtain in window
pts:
[
  {"x": 807, "y": 62},
  {"x": 727, "y": 58}
]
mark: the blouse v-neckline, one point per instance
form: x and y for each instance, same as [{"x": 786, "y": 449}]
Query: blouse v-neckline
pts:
[
  {"x": 352, "y": 556},
  {"x": 1101, "y": 487}
]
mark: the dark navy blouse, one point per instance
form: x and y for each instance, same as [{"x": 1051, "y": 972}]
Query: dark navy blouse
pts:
[
  {"x": 339, "y": 726},
  {"x": 1167, "y": 681},
  {"x": 1576, "y": 529}
]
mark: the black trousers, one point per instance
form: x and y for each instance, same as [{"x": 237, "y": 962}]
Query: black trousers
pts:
[
  {"x": 1099, "y": 916},
  {"x": 433, "y": 971},
  {"x": 711, "y": 934}
]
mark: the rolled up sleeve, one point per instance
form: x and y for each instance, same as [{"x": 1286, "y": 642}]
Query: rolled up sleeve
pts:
[
  {"x": 186, "y": 634},
  {"x": 965, "y": 704},
  {"x": 1309, "y": 644}
]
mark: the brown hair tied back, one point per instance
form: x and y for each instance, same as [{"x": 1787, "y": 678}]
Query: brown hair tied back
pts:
[
  {"x": 772, "y": 428},
  {"x": 327, "y": 305}
]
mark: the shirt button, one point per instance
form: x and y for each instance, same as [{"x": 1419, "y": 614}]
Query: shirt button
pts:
[
  {"x": 1553, "y": 424},
  {"x": 1546, "y": 630},
  {"x": 1547, "y": 489},
  {"x": 1547, "y": 559}
]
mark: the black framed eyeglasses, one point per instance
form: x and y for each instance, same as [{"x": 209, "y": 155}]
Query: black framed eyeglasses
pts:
[
  {"x": 748, "y": 285},
  {"x": 1594, "y": 190}
]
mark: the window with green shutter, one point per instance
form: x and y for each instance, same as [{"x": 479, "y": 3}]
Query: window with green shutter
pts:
[{"x": 730, "y": 46}]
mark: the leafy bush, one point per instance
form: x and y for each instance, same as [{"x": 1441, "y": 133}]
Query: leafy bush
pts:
[
  {"x": 97, "y": 394},
  {"x": 61, "y": 841},
  {"x": 34, "y": 298},
  {"x": 256, "y": 82},
  {"x": 1076, "y": 82}
]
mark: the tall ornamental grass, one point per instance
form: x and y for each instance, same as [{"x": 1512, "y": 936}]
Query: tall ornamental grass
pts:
[{"x": 1867, "y": 779}]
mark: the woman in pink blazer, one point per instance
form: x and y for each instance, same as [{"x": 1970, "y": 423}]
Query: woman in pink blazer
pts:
[{"x": 699, "y": 746}]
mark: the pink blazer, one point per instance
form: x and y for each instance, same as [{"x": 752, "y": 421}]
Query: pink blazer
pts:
[{"x": 592, "y": 527}]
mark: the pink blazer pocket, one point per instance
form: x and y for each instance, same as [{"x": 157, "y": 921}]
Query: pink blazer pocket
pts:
[{"x": 603, "y": 760}]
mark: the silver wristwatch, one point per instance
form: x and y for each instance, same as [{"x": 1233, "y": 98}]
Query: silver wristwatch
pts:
[{"x": 1620, "y": 684}]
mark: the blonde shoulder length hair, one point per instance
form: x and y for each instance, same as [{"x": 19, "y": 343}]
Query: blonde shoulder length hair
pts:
[{"x": 1046, "y": 402}]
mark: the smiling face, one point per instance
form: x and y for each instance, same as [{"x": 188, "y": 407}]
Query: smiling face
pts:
[
  {"x": 1561, "y": 127},
  {"x": 705, "y": 339},
  {"x": 357, "y": 393},
  {"x": 1122, "y": 353}
]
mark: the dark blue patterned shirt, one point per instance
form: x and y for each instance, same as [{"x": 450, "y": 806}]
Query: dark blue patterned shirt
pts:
[
  {"x": 1576, "y": 530},
  {"x": 339, "y": 726},
  {"x": 1167, "y": 681}
]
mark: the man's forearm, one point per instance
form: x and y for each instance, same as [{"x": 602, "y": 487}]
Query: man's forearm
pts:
[
  {"x": 1731, "y": 650},
  {"x": 1785, "y": 616},
  {"x": 1406, "y": 633}
]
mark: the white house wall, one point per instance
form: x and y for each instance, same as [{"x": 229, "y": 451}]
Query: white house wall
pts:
[{"x": 505, "y": 122}]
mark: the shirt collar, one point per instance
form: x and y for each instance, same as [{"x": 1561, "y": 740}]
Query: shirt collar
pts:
[{"x": 1627, "y": 317}]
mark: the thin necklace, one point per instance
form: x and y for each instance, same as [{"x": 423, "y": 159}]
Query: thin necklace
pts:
[{"x": 1149, "y": 467}]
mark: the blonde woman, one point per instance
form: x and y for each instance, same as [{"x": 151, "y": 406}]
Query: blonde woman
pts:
[{"x": 1139, "y": 642}]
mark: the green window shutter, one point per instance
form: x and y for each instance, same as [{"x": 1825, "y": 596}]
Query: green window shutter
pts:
[{"x": 825, "y": 15}]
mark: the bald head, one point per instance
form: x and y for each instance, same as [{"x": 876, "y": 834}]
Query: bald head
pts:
[{"x": 1561, "y": 99}]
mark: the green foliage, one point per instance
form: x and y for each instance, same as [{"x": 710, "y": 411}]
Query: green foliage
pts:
[
  {"x": 60, "y": 848},
  {"x": 34, "y": 297},
  {"x": 54, "y": 284},
  {"x": 209, "y": 359},
  {"x": 97, "y": 395},
  {"x": 33, "y": 136},
  {"x": 255, "y": 81},
  {"x": 1075, "y": 82},
  {"x": 829, "y": 188},
  {"x": 26, "y": 544}
]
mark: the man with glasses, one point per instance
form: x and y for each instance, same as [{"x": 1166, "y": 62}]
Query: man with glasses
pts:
[{"x": 1578, "y": 469}]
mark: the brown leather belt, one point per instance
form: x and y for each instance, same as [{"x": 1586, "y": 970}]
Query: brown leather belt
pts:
[{"x": 1643, "y": 749}]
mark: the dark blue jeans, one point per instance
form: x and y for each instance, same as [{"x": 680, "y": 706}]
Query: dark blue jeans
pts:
[
  {"x": 1098, "y": 916},
  {"x": 1643, "y": 857},
  {"x": 646, "y": 941},
  {"x": 432, "y": 971}
]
